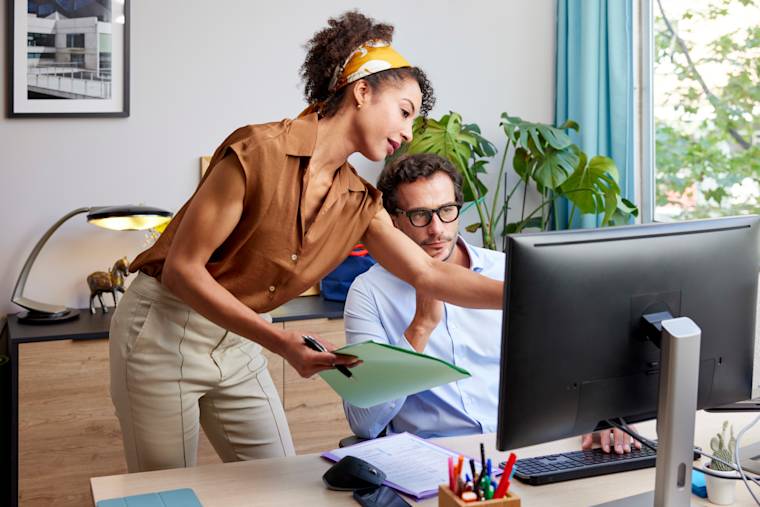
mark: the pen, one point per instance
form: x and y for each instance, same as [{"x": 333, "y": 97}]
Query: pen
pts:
[
  {"x": 503, "y": 486},
  {"x": 472, "y": 469},
  {"x": 313, "y": 344},
  {"x": 451, "y": 473},
  {"x": 482, "y": 458}
]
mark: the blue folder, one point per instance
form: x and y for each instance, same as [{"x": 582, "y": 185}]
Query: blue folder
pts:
[{"x": 173, "y": 498}]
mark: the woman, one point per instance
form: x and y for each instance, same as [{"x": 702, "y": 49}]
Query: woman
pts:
[{"x": 278, "y": 208}]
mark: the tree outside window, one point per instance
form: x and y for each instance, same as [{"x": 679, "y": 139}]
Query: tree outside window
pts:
[{"x": 707, "y": 108}]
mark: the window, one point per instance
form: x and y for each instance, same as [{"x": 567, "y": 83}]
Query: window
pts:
[
  {"x": 706, "y": 108},
  {"x": 40, "y": 39},
  {"x": 74, "y": 40}
]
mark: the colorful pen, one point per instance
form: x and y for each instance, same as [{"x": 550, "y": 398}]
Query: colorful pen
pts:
[
  {"x": 451, "y": 473},
  {"x": 503, "y": 486}
]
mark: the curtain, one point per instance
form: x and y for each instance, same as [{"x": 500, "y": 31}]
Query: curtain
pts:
[{"x": 595, "y": 87}]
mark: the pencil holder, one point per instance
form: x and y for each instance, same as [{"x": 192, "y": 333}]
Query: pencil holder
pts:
[{"x": 447, "y": 498}]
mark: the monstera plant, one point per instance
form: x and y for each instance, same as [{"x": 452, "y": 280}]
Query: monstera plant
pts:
[{"x": 544, "y": 157}]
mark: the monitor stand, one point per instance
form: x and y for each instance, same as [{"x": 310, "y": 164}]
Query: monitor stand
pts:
[{"x": 676, "y": 406}]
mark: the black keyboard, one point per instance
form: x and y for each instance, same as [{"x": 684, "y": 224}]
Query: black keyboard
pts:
[{"x": 579, "y": 464}]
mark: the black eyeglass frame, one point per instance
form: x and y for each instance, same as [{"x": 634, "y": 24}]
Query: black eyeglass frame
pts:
[{"x": 430, "y": 212}]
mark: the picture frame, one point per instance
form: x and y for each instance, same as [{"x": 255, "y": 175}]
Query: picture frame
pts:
[{"x": 68, "y": 59}]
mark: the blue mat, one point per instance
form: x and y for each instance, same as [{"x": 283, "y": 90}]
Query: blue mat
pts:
[{"x": 174, "y": 498}]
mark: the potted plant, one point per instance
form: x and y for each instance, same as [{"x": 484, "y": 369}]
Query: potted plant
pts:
[
  {"x": 722, "y": 490},
  {"x": 544, "y": 157}
]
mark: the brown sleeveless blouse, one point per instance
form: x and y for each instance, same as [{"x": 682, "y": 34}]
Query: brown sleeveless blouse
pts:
[{"x": 269, "y": 258}]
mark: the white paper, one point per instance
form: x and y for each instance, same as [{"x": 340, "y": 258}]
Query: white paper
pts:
[{"x": 412, "y": 464}]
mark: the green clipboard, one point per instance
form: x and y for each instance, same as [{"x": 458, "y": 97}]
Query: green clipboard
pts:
[{"x": 389, "y": 373}]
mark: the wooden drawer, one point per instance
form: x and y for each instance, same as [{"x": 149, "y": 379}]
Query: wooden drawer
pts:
[
  {"x": 68, "y": 431},
  {"x": 314, "y": 410}
]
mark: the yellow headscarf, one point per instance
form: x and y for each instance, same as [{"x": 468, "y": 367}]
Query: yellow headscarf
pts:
[{"x": 373, "y": 56}]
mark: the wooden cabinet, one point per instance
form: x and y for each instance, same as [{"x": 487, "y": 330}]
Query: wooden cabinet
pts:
[
  {"x": 314, "y": 410},
  {"x": 68, "y": 432}
]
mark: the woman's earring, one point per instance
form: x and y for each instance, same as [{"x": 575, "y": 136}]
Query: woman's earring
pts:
[{"x": 359, "y": 105}]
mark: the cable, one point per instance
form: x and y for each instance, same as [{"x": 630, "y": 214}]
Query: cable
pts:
[
  {"x": 737, "y": 461},
  {"x": 652, "y": 445}
]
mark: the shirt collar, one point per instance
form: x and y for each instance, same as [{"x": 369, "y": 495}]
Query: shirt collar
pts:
[
  {"x": 476, "y": 260},
  {"x": 302, "y": 136},
  {"x": 300, "y": 142}
]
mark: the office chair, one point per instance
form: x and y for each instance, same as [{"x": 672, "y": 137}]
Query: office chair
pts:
[{"x": 353, "y": 439}]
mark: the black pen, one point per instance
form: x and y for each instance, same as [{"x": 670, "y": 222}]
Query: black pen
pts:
[{"x": 313, "y": 344}]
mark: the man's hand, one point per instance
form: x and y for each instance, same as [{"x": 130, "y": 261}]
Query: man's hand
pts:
[
  {"x": 308, "y": 362},
  {"x": 428, "y": 314},
  {"x": 621, "y": 441}
]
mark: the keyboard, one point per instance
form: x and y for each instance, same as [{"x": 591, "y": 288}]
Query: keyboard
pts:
[{"x": 579, "y": 464}]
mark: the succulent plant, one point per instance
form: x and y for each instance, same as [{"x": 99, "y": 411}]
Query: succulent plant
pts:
[{"x": 723, "y": 447}]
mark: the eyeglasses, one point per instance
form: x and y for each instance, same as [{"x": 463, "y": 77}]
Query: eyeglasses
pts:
[{"x": 421, "y": 217}]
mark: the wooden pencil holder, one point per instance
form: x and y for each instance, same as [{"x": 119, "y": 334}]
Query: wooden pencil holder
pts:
[{"x": 447, "y": 498}]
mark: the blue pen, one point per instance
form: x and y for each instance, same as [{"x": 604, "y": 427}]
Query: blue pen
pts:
[{"x": 488, "y": 468}]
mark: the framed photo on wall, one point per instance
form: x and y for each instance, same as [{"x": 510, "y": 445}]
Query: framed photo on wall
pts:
[{"x": 68, "y": 58}]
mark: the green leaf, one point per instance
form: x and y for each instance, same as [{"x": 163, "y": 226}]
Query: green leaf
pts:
[
  {"x": 478, "y": 167},
  {"x": 554, "y": 168},
  {"x": 589, "y": 185},
  {"x": 570, "y": 124},
  {"x": 473, "y": 227},
  {"x": 521, "y": 163},
  {"x": 467, "y": 193}
]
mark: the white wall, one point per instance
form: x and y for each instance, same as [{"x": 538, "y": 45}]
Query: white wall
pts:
[{"x": 201, "y": 69}]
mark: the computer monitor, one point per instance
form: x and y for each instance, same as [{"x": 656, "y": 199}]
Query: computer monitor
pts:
[{"x": 575, "y": 350}]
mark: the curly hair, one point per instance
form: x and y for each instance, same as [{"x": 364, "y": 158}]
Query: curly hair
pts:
[
  {"x": 410, "y": 168},
  {"x": 330, "y": 47}
]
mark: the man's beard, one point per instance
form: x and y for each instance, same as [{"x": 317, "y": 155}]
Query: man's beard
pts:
[{"x": 438, "y": 240}]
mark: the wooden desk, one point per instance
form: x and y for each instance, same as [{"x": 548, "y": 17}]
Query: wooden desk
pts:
[
  {"x": 297, "y": 480},
  {"x": 62, "y": 424}
]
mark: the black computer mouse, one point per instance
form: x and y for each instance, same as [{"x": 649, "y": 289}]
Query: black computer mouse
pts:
[{"x": 352, "y": 473}]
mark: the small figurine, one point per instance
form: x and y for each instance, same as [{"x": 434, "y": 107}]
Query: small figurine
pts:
[{"x": 110, "y": 281}]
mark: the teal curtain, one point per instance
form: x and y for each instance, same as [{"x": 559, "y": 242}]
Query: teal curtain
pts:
[{"x": 595, "y": 87}]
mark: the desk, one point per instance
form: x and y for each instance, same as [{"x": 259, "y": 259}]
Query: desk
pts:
[
  {"x": 297, "y": 480},
  {"x": 62, "y": 424}
]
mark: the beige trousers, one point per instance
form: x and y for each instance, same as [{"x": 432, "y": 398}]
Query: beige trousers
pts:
[{"x": 173, "y": 370}]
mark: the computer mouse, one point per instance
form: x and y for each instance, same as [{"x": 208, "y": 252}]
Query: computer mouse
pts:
[{"x": 352, "y": 473}]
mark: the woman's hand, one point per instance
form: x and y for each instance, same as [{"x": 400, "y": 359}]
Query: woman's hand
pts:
[{"x": 308, "y": 362}]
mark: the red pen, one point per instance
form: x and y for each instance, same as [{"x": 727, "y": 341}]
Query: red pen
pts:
[
  {"x": 503, "y": 487},
  {"x": 451, "y": 473}
]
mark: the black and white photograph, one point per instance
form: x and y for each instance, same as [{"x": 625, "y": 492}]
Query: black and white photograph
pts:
[{"x": 69, "y": 58}]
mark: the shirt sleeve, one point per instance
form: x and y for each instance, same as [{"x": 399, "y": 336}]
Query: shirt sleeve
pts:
[{"x": 362, "y": 322}]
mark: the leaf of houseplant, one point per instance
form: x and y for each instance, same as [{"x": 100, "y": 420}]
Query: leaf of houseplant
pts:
[
  {"x": 625, "y": 210},
  {"x": 587, "y": 185},
  {"x": 521, "y": 163},
  {"x": 521, "y": 225},
  {"x": 555, "y": 167},
  {"x": 449, "y": 139}
]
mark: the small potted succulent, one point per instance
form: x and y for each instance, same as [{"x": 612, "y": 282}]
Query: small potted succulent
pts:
[{"x": 722, "y": 490}]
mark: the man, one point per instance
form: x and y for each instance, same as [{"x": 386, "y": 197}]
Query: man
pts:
[{"x": 423, "y": 195}]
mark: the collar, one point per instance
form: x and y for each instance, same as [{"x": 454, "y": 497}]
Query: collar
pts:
[
  {"x": 476, "y": 259},
  {"x": 302, "y": 136},
  {"x": 300, "y": 142}
]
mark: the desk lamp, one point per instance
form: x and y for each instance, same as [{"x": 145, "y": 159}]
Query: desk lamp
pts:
[{"x": 120, "y": 218}]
